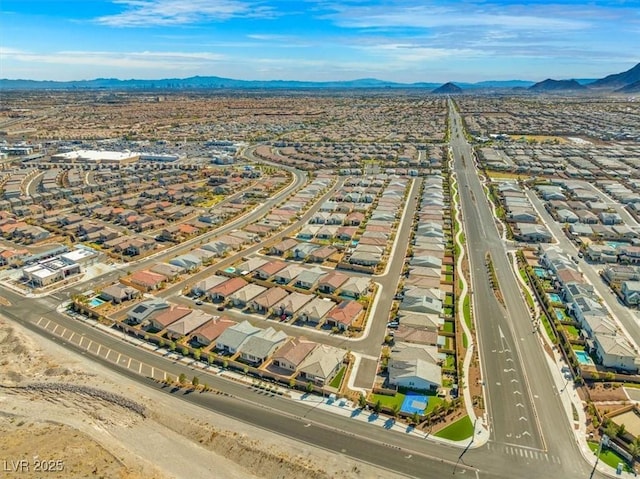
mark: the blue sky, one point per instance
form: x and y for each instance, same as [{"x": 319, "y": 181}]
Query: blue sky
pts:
[{"x": 406, "y": 41}]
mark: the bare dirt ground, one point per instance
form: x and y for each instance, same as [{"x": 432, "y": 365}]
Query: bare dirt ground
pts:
[{"x": 94, "y": 437}]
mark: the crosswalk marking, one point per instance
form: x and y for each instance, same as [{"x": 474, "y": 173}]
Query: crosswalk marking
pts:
[{"x": 529, "y": 453}]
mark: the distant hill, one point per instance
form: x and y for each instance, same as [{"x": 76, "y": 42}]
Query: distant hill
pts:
[
  {"x": 630, "y": 88},
  {"x": 550, "y": 85},
  {"x": 611, "y": 82},
  {"x": 447, "y": 89},
  {"x": 618, "y": 80},
  {"x": 201, "y": 82}
]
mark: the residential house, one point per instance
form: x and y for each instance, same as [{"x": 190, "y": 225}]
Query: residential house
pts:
[
  {"x": 270, "y": 268},
  {"x": 292, "y": 304},
  {"x": 188, "y": 261},
  {"x": 233, "y": 337},
  {"x": 315, "y": 310},
  {"x": 118, "y": 293},
  {"x": 265, "y": 302},
  {"x": 631, "y": 292},
  {"x": 250, "y": 265},
  {"x": 223, "y": 290},
  {"x": 322, "y": 254},
  {"x": 258, "y": 347},
  {"x": 283, "y": 246},
  {"x": 330, "y": 282},
  {"x": 344, "y": 314},
  {"x": 355, "y": 287},
  {"x": 147, "y": 280},
  {"x": 420, "y": 300},
  {"x": 203, "y": 286},
  {"x": 288, "y": 274},
  {"x": 414, "y": 367},
  {"x": 291, "y": 354},
  {"x": 322, "y": 364},
  {"x": 143, "y": 310},
  {"x": 307, "y": 279},
  {"x": 185, "y": 325},
  {"x": 211, "y": 330},
  {"x": 242, "y": 297},
  {"x": 165, "y": 318},
  {"x": 171, "y": 271}
]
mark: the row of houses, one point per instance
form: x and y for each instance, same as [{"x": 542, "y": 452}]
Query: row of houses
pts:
[
  {"x": 603, "y": 336},
  {"x": 521, "y": 215},
  {"x": 416, "y": 360},
  {"x": 249, "y": 344}
]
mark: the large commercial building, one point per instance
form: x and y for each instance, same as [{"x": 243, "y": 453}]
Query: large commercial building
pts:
[
  {"x": 96, "y": 157},
  {"x": 60, "y": 267}
]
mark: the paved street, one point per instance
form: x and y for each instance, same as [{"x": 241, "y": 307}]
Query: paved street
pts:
[{"x": 523, "y": 408}]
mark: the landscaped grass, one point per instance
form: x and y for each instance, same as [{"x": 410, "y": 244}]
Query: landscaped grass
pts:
[
  {"x": 609, "y": 457},
  {"x": 572, "y": 331},
  {"x": 433, "y": 402},
  {"x": 448, "y": 268},
  {"x": 449, "y": 361},
  {"x": 388, "y": 401},
  {"x": 448, "y": 299},
  {"x": 465, "y": 341},
  {"x": 458, "y": 431},
  {"x": 335, "y": 382},
  {"x": 448, "y": 278},
  {"x": 447, "y": 327},
  {"x": 548, "y": 329},
  {"x": 466, "y": 311}
]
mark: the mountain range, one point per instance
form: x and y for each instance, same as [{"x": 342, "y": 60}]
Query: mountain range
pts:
[{"x": 624, "y": 82}]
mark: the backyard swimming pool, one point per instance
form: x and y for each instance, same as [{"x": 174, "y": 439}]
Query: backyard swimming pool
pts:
[
  {"x": 559, "y": 314},
  {"x": 95, "y": 302},
  {"x": 555, "y": 298},
  {"x": 540, "y": 272},
  {"x": 615, "y": 244},
  {"x": 583, "y": 358}
]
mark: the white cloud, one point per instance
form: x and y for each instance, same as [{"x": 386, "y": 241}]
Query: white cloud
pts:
[
  {"x": 135, "y": 60},
  {"x": 142, "y": 13},
  {"x": 438, "y": 16}
]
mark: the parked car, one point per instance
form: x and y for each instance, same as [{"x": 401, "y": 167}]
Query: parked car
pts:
[
  {"x": 199, "y": 302},
  {"x": 393, "y": 325},
  {"x": 220, "y": 308}
]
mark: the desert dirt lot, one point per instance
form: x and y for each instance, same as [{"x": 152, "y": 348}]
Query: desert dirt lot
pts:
[{"x": 97, "y": 437}]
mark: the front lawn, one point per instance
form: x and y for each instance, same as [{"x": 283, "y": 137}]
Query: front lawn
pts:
[
  {"x": 458, "y": 431},
  {"x": 433, "y": 402},
  {"x": 388, "y": 401},
  {"x": 335, "y": 382},
  {"x": 609, "y": 457}
]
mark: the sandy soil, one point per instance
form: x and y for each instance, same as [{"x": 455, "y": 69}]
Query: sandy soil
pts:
[{"x": 97, "y": 438}]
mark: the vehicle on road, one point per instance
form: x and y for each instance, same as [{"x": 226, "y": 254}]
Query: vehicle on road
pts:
[
  {"x": 393, "y": 325},
  {"x": 199, "y": 302},
  {"x": 220, "y": 308}
]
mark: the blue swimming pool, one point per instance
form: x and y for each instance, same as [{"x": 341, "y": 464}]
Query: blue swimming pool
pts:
[
  {"x": 95, "y": 302},
  {"x": 559, "y": 314},
  {"x": 583, "y": 358},
  {"x": 555, "y": 298},
  {"x": 230, "y": 270},
  {"x": 540, "y": 272},
  {"x": 615, "y": 244}
]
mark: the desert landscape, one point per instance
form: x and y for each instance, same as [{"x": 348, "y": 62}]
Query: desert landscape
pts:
[{"x": 98, "y": 424}]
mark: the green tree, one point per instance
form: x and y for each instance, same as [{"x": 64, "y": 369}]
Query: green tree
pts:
[
  {"x": 184, "y": 350},
  {"x": 362, "y": 401},
  {"x": 415, "y": 418},
  {"x": 172, "y": 346},
  {"x": 197, "y": 354},
  {"x": 377, "y": 407},
  {"x": 610, "y": 428},
  {"x": 309, "y": 387},
  {"x": 182, "y": 378},
  {"x": 195, "y": 382},
  {"x": 634, "y": 450},
  {"x": 395, "y": 410}
]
